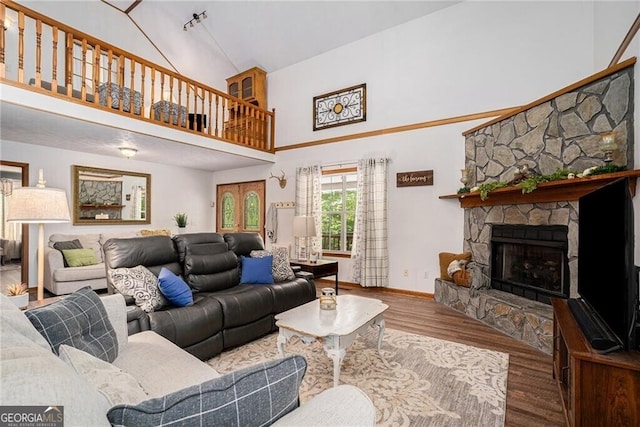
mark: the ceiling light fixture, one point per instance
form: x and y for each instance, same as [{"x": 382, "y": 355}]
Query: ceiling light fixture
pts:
[
  {"x": 197, "y": 17},
  {"x": 128, "y": 152}
]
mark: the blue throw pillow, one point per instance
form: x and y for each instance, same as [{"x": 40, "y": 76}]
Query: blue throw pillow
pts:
[
  {"x": 257, "y": 270},
  {"x": 174, "y": 288}
]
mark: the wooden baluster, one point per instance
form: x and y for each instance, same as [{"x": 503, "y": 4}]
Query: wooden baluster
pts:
[
  {"x": 20, "y": 47},
  {"x": 68, "y": 65},
  {"x": 132, "y": 92},
  {"x": 202, "y": 105},
  {"x": 142, "y": 72},
  {"x": 54, "y": 58},
  {"x": 152, "y": 114},
  {"x": 120, "y": 77},
  {"x": 260, "y": 129},
  {"x": 162, "y": 103},
  {"x": 109, "y": 60},
  {"x": 95, "y": 75},
  {"x": 38, "y": 53},
  {"x": 83, "y": 64},
  {"x": 3, "y": 42},
  {"x": 244, "y": 119},
  {"x": 173, "y": 115},
  {"x": 180, "y": 100},
  {"x": 217, "y": 117},
  {"x": 210, "y": 116},
  {"x": 253, "y": 128},
  {"x": 272, "y": 128},
  {"x": 236, "y": 114},
  {"x": 188, "y": 97}
]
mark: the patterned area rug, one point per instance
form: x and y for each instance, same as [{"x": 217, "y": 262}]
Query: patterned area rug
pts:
[{"x": 422, "y": 381}]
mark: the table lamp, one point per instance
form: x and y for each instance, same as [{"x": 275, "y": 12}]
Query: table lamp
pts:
[
  {"x": 304, "y": 227},
  {"x": 38, "y": 205}
]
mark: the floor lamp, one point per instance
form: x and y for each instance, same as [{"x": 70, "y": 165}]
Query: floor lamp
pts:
[
  {"x": 304, "y": 227},
  {"x": 38, "y": 205}
]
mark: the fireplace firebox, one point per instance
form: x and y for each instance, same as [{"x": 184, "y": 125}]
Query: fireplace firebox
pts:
[{"x": 530, "y": 260}]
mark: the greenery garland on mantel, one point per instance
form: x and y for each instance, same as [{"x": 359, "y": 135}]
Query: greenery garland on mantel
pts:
[{"x": 530, "y": 183}]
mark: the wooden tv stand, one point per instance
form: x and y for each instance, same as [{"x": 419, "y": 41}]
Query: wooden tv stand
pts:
[{"x": 596, "y": 389}]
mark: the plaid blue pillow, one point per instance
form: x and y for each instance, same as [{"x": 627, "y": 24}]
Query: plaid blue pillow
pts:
[
  {"x": 80, "y": 321},
  {"x": 258, "y": 395}
]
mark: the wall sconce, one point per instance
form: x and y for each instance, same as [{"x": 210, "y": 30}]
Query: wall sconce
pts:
[
  {"x": 128, "y": 152},
  {"x": 196, "y": 18},
  {"x": 608, "y": 146}
]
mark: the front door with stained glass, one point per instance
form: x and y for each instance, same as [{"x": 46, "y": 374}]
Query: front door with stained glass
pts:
[{"x": 241, "y": 207}]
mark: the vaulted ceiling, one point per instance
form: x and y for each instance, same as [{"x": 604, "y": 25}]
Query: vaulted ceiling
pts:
[{"x": 270, "y": 34}]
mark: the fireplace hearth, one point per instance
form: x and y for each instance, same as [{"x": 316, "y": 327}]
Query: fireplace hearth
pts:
[{"x": 530, "y": 261}]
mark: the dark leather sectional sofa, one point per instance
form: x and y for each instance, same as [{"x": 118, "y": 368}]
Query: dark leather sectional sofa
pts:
[{"x": 225, "y": 313}]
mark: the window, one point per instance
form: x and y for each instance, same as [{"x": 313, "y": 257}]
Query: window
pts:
[{"x": 338, "y": 209}]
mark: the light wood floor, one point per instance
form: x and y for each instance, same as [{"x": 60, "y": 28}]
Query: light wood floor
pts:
[{"x": 532, "y": 395}]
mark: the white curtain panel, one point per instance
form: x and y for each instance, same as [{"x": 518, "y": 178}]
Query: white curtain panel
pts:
[
  {"x": 10, "y": 230},
  {"x": 309, "y": 203},
  {"x": 370, "y": 251}
]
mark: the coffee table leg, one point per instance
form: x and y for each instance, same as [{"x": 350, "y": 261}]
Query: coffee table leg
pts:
[
  {"x": 336, "y": 355},
  {"x": 380, "y": 323},
  {"x": 282, "y": 340}
]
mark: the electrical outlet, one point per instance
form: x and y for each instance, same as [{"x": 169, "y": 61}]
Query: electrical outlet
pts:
[
  {"x": 426, "y": 274},
  {"x": 405, "y": 272}
]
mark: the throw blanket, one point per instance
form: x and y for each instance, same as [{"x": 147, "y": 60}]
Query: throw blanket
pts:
[{"x": 271, "y": 223}]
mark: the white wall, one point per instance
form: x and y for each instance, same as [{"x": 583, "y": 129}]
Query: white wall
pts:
[
  {"x": 173, "y": 189},
  {"x": 469, "y": 58}
]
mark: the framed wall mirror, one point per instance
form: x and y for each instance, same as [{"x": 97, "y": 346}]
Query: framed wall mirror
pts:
[
  {"x": 14, "y": 237},
  {"x": 107, "y": 196}
]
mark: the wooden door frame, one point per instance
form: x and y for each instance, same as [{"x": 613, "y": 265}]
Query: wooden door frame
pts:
[{"x": 25, "y": 227}]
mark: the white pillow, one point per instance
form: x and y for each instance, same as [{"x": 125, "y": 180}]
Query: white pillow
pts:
[
  {"x": 118, "y": 386},
  {"x": 139, "y": 283}
]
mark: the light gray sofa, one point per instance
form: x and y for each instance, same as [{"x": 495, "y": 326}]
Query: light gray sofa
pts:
[
  {"x": 61, "y": 280},
  {"x": 32, "y": 374}
]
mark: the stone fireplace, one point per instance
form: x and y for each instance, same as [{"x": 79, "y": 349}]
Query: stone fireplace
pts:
[{"x": 556, "y": 132}]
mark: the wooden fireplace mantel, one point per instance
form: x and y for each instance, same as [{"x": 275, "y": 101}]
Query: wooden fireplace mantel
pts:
[{"x": 554, "y": 191}]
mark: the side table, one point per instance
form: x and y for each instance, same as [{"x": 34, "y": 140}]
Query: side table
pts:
[
  {"x": 42, "y": 303},
  {"x": 320, "y": 268}
]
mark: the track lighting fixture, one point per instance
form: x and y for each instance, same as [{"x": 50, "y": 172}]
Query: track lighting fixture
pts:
[{"x": 197, "y": 17}]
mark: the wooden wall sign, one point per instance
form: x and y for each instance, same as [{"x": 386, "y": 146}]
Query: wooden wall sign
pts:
[{"x": 413, "y": 179}]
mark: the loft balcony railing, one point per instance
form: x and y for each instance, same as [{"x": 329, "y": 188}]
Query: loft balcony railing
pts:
[{"x": 43, "y": 55}]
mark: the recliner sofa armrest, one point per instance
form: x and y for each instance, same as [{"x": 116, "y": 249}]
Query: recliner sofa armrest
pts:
[
  {"x": 53, "y": 260},
  {"x": 117, "y": 313}
]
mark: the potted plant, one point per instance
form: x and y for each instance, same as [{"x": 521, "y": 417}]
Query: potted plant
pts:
[
  {"x": 180, "y": 219},
  {"x": 18, "y": 294}
]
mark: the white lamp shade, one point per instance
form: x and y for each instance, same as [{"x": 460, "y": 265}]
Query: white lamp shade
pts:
[
  {"x": 304, "y": 226},
  {"x": 38, "y": 205}
]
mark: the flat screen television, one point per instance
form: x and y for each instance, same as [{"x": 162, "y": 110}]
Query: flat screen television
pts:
[{"x": 607, "y": 275}]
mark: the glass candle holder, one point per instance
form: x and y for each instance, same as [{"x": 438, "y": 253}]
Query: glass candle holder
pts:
[
  {"x": 328, "y": 299},
  {"x": 464, "y": 179}
]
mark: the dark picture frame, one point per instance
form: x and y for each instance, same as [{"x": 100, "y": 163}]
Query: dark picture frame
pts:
[{"x": 341, "y": 107}]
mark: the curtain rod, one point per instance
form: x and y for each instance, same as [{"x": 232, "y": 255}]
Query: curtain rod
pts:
[{"x": 343, "y": 163}]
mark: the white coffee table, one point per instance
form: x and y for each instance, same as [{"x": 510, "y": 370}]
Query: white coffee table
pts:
[{"x": 336, "y": 329}]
